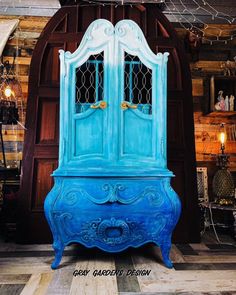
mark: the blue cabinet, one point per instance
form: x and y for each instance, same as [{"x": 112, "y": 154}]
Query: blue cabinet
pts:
[{"x": 112, "y": 186}]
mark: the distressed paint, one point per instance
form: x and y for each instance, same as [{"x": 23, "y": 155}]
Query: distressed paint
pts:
[{"x": 112, "y": 188}]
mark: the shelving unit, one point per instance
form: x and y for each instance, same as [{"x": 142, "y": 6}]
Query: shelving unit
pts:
[{"x": 228, "y": 85}]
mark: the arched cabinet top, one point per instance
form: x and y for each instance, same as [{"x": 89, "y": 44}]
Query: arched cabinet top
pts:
[
  {"x": 127, "y": 30},
  {"x": 96, "y": 37},
  {"x": 101, "y": 32}
]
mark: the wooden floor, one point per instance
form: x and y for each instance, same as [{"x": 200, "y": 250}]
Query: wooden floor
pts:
[{"x": 206, "y": 268}]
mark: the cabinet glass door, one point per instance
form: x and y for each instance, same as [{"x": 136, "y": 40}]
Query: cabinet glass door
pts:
[
  {"x": 90, "y": 109},
  {"x": 137, "y": 135},
  {"x": 136, "y": 110}
]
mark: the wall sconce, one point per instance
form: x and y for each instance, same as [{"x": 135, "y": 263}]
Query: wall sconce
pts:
[{"x": 223, "y": 184}]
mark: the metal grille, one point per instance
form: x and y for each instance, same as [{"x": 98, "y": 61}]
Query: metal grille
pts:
[
  {"x": 89, "y": 83},
  {"x": 202, "y": 184},
  {"x": 223, "y": 184},
  {"x": 138, "y": 84}
]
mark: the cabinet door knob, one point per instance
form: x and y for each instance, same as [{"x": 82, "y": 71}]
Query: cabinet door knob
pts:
[
  {"x": 127, "y": 105},
  {"x": 99, "y": 105}
]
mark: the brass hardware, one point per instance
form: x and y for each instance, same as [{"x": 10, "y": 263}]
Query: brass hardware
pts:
[
  {"x": 127, "y": 105},
  {"x": 99, "y": 105}
]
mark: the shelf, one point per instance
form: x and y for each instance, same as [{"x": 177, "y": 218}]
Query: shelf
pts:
[
  {"x": 225, "y": 77},
  {"x": 222, "y": 114}
]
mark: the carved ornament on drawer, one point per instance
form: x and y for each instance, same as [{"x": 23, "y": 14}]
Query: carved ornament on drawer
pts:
[{"x": 114, "y": 195}]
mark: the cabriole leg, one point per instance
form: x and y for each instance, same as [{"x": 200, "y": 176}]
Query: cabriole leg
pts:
[
  {"x": 165, "y": 251},
  {"x": 58, "y": 248}
]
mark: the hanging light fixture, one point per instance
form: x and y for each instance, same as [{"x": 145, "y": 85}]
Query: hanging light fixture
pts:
[
  {"x": 10, "y": 94},
  {"x": 223, "y": 184},
  {"x": 8, "y": 91},
  {"x": 10, "y": 100}
]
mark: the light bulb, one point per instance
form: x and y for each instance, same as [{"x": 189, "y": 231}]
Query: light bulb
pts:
[
  {"x": 222, "y": 137},
  {"x": 7, "y": 92}
]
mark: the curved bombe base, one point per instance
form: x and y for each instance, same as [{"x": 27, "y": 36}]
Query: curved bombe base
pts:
[
  {"x": 165, "y": 251},
  {"x": 112, "y": 214}
]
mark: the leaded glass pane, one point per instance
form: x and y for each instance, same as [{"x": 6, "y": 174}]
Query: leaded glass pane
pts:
[
  {"x": 138, "y": 84},
  {"x": 89, "y": 83}
]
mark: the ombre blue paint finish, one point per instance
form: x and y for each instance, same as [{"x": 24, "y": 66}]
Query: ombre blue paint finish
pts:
[{"x": 112, "y": 186}]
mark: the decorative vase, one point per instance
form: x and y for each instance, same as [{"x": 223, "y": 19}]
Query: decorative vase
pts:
[{"x": 223, "y": 184}]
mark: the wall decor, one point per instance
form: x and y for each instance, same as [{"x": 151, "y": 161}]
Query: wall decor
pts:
[{"x": 222, "y": 93}]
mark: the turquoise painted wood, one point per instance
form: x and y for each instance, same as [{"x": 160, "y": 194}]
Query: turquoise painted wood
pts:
[{"x": 112, "y": 186}]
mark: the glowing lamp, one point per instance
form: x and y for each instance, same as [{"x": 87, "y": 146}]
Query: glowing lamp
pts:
[
  {"x": 7, "y": 92},
  {"x": 222, "y": 183},
  {"x": 222, "y": 137}
]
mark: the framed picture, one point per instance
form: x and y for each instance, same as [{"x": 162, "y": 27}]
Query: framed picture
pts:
[{"x": 222, "y": 93}]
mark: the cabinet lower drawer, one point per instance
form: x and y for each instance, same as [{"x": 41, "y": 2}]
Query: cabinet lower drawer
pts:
[
  {"x": 111, "y": 190},
  {"x": 111, "y": 233}
]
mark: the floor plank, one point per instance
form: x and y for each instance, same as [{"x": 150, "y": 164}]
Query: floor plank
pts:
[
  {"x": 188, "y": 286},
  {"x": 12, "y": 247},
  {"x": 11, "y": 289},
  {"x": 61, "y": 281},
  {"x": 32, "y": 285},
  {"x": 205, "y": 266},
  {"x": 126, "y": 283},
  {"x": 43, "y": 285},
  {"x": 14, "y": 278},
  {"x": 199, "y": 247},
  {"x": 200, "y": 275},
  {"x": 186, "y": 249},
  {"x": 95, "y": 285},
  {"x": 211, "y": 259},
  {"x": 176, "y": 255}
]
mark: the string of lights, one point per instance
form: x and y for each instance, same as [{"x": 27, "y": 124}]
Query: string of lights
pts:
[
  {"x": 209, "y": 32},
  {"x": 218, "y": 14}
]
